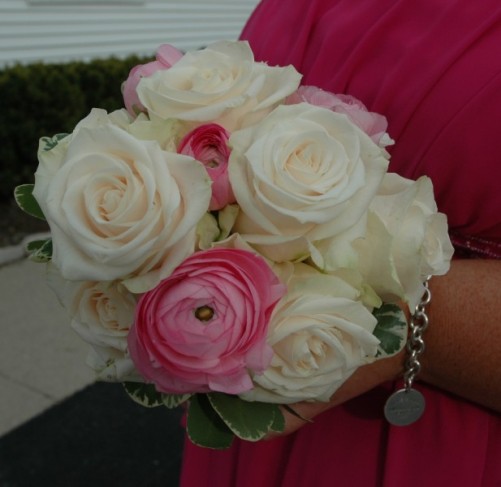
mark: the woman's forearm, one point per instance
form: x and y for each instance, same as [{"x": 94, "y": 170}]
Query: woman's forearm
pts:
[{"x": 463, "y": 341}]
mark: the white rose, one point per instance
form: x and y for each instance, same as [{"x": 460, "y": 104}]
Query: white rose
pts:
[
  {"x": 320, "y": 334},
  {"x": 406, "y": 240},
  {"x": 167, "y": 133},
  {"x": 303, "y": 174},
  {"x": 101, "y": 314},
  {"x": 119, "y": 207},
  {"x": 337, "y": 252},
  {"x": 112, "y": 365},
  {"x": 221, "y": 84},
  {"x": 216, "y": 227}
]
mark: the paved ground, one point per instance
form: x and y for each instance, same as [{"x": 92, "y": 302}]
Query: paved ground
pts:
[
  {"x": 42, "y": 361},
  {"x": 58, "y": 428}
]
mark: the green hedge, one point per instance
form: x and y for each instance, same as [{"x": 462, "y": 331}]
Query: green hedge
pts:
[{"x": 45, "y": 99}]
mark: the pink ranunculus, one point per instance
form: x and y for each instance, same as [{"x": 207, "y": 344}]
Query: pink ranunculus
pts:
[
  {"x": 209, "y": 144},
  {"x": 204, "y": 328},
  {"x": 373, "y": 124},
  {"x": 166, "y": 56}
]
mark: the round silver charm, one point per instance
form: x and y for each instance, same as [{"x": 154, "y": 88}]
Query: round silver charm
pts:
[{"x": 404, "y": 407}]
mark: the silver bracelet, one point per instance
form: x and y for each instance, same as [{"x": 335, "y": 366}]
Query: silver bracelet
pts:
[{"x": 407, "y": 405}]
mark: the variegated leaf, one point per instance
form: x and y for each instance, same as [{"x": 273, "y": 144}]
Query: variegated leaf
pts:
[
  {"x": 205, "y": 427},
  {"x": 144, "y": 394},
  {"x": 23, "y": 195},
  {"x": 248, "y": 420},
  {"x": 391, "y": 329},
  {"x": 172, "y": 401},
  {"x": 40, "y": 250}
]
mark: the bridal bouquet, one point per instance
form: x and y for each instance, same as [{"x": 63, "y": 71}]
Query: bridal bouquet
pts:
[{"x": 232, "y": 240}]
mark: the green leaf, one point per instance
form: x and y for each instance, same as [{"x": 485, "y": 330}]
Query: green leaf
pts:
[
  {"x": 278, "y": 424},
  {"x": 292, "y": 411},
  {"x": 205, "y": 427},
  {"x": 248, "y": 420},
  {"x": 40, "y": 250},
  {"x": 226, "y": 219},
  {"x": 144, "y": 394},
  {"x": 391, "y": 329},
  {"x": 172, "y": 401},
  {"x": 26, "y": 201},
  {"x": 207, "y": 230},
  {"x": 50, "y": 142}
]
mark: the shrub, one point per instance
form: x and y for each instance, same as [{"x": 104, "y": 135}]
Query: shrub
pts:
[{"x": 45, "y": 99}]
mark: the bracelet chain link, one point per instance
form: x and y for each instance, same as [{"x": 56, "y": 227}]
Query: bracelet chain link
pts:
[
  {"x": 406, "y": 405},
  {"x": 415, "y": 344}
]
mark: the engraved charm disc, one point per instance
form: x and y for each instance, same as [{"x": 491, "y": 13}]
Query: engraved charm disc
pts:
[{"x": 404, "y": 407}]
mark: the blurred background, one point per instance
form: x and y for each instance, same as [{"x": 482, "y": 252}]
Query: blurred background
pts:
[{"x": 58, "y": 59}]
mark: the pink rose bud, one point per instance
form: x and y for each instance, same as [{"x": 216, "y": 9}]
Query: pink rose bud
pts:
[
  {"x": 204, "y": 327},
  {"x": 209, "y": 145},
  {"x": 166, "y": 56},
  {"x": 373, "y": 124}
]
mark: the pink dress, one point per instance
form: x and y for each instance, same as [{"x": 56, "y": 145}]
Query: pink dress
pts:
[{"x": 433, "y": 68}]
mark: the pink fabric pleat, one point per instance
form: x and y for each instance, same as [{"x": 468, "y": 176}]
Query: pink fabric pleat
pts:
[{"x": 433, "y": 68}]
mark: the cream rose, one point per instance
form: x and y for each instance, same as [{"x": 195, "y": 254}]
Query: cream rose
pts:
[
  {"x": 102, "y": 314},
  {"x": 219, "y": 84},
  {"x": 303, "y": 174},
  {"x": 166, "y": 56},
  {"x": 112, "y": 365},
  {"x": 406, "y": 240},
  {"x": 320, "y": 333},
  {"x": 119, "y": 207}
]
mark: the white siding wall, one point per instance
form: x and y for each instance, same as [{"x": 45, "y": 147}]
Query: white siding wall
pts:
[{"x": 63, "y": 30}]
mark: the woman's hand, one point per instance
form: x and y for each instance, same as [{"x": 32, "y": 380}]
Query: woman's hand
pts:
[
  {"x": 364, "y": 379},
  {"x": 462, "y": 344}
]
